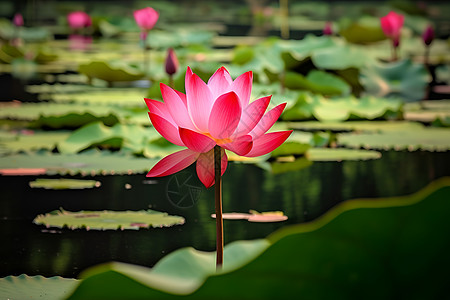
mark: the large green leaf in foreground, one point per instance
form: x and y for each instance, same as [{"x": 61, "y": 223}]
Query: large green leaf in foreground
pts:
[
  {"x": 362, "y": 249},
  {"x": 112, "y": 220}
]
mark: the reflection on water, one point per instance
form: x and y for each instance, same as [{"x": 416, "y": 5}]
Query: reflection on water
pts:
[{"x": 302, "y": 195}]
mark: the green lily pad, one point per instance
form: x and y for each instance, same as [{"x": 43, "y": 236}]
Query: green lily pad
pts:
[
  {"x": 366, "y": 30},
  {"x": 131, "y": 138},
  {"x": 108, "y": 220},
  {"x": 365, "y": 126},
  {"x": 58, "y": 115},
  {"x": 428, "y": 139},
  {"x": 317, "y": 82},
  {"x": 64, "y": 184},
  {"x": 299, "y": 142},
  {"x": 180, "y": 37},
  {"x": 36, "y": 287},
  {"x": 89, "y": 162},
  {"x": 111, "y": 96},
  {"x": 402, "y": 79},
  {"x": 435, "y": 112},
  {"x": 110, "y": 72},
  {"x": 340, "y": 154},
  {"x": 341, "y": 58},
  {"x": 356, "y": 247},
  {"x": 290, "y": 166},
  {"x": 310, "y": 106},
  {"x": 33, "y": 140}
]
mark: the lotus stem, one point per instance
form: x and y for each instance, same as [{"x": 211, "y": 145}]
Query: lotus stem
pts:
[
  {"x": 171, "y": 83},
  {"x": 427, "y": 56},
  {"x": 218, "y": 198},
  {"x": 284, "y": 10}
]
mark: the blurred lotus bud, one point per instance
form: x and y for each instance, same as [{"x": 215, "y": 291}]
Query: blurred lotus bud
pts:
[
  {"x": 146, "y": 18},
  {"x": 171, "y": 62},
  {"x": 428, "y": 35},
  {"x": 328, "y": 29},
  {"x": 18, "y": 20},
  {"x": 79, "y": 19}
]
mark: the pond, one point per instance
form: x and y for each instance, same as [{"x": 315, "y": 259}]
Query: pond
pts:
[
  {"x": 302, "y": 195},
  {"x": 316, "y": 103}
]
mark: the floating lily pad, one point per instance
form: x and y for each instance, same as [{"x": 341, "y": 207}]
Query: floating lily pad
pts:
[
  {"x": 291, "y": 165},
  {"x": 340, "y": 154},
  {"x": 32, "y": 140},
  {"x": 110, "y": 72},
  {"x": 429, "y": 139},
  {"x": 317, "y": 82},
  {"x": 57, "y": 115},
  {"x": 366, "y": 30},
  {"x": 36, "y": 287},
  {"x": 365, "y": 126},
  {"x": 357, "y": 246},
  {"x": 181, "y": 37},
  {"x": 108, "y": 220},
  {"x": 89, "y": 162},
  {"x": 435, "y": 112},
  {"x": 341, "y": 58},
  {"x": 403, "y": 79},
  {"x": 64, "y": 184},
  {"x": 111, "y": 96},
  {"x": 309, "y": 106},
  {"x": 130, "y": 138}
]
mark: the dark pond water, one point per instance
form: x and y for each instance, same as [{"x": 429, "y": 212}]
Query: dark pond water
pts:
[{"x": 302, "y": 195}]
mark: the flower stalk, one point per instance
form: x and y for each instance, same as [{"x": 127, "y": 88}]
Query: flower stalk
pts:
[{"x": 218, "y": 198}]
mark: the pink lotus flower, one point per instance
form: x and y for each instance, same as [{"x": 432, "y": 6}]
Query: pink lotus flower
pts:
[
  {"x": 18, "y": 20},
  {"x": 171, "y": 62},
  {"x": 392, "y": 24},
  {"x": 428, "y": 35},
  {"x": 79, "y": 19},
  {"x": 146, "y": 18},
  {"x": 210, "y": 114}
]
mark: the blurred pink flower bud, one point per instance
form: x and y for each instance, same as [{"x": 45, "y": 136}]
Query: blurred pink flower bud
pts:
[
  {"x": 146, "y": 18},
  {"x": 392, "y": 24},
  {"x": 79, "y": 19},
  {"x": 428, "y": 35},
  {"x": 171, "y": 62},
  {"x": 18, "y": 20},
  {"x": 328, "y": 29}
]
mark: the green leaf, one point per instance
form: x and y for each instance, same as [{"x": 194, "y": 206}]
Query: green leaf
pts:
[
  {"x": 366, "y": 30},
  {"x": 89, "y": 162},
  {"x": 403, "y": 79},
  {"x": 426, "y": 139},
  {"x": 58, "y": 115},
  {"x": 123, "y": 97},
  {"x": 317, "y": 82},
  {"x": 36, "y": 287},
  {"x": 341, "y": 58},
  {"x": 108, "y": 220},
  {"x": 341, "y": 109},
  {"x": 340, "y": 154},
  {"x": 63, "y": 184},
  {"x": 33, "y": 140},
  {"x": 110, "y": 72},
  {"x": 366, "y": 126},
  {"x": 132, "y": 138},
  {"x": 359, "y": 247},
  {"x": 290, "y": 166}
]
